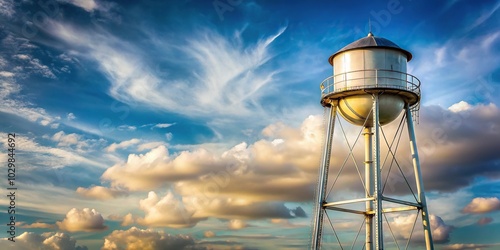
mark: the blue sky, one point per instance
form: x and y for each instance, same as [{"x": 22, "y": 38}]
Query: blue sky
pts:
[{"x": 197, "y": 124}]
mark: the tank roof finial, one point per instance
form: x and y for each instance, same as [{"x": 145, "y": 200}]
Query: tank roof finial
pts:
[{"x": 370, "y": 27}]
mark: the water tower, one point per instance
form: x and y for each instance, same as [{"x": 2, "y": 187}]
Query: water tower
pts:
[{"x": 370, "y": 88}]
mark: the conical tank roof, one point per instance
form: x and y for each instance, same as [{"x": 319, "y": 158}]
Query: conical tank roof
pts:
[{"x": 371, "y": 41}]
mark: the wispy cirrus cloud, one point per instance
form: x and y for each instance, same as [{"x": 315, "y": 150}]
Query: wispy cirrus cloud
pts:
[
  {"x": 7, "y": 8},
  {"x": 435, "y": 66},
  {"x": 469, "y": 246},
  {"x": 228, "y": 79},
  {"x": 124, "y": 144},
  {"x": 53, "y": 157},
  {"x": 100, "y": 192},
  {"x": 12, "y": 104},
  {"x": 88, "y": 5},
  {"x": 483, "y": 17},
  {"x": 36, "y": 225}
]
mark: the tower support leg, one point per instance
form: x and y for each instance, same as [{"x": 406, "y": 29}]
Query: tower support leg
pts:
[
  {"x": 379, "y": 235},
  {"x": 369, "y": 187},
  {"x": 323, "y": 178},
  {"x": 419, "y": 182}
]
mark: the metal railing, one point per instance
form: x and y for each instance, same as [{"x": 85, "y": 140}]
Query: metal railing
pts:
[{"x": 370, "y": 79}]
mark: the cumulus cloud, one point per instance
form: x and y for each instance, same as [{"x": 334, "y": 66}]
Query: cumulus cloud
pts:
[
  {"x": 245, "y": 181},
  {"x": 236, "y": 224},
  {"x": 156, "y": 168},
  {"x": 167, "y": 211},
  {"x": 290, "y": 165},
  {"x": 124, "y": 144},
  {"x": 402, "y": 226},
  {"x": 127, "y": 220},
  {"x": 45, "y": 241},
  {"x": 135, "y": 238},
  {"x": 208, "y": 234},
  {"x": 100, "y": 192},
  {"x": 482, "y": 205},
  {"x": 460, "y": 106},
  {"x": 458, "y": 146},
  {"x": 85, "y": 220}
]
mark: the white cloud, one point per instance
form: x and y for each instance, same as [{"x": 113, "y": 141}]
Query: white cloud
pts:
[
  {"x": 482, "y": 205},
  {"x": 52, "y": 157},
  {"x": 8, "y": 88},
  {"x": 162, "y": 125},
  {"x": 155, "y": 168},
  {"x": 471, "y": 246},
  {"x": 100, "y": 192},
  {"x": 440, "y": 205},
  {"x": 12, "y": 105},
  {"x": 135, "y": 238},
  {"x": 127, "y": 220},
  {"x": 22, "y": 57},
  {"x": 169, "y": 136},
  {"x": 6, "y": 74},
  {"x": 166, "y": 211},
  {"x": 88, "y": 5},
  {"x": 484, "y": 16},
  {"x": 124, "y": 144},
  {"x": 229, "y": 79},
  {"x": 86, "y": 220},
  {"x": 64, "y": 139},
  {"x": 45, "y": 241},
  {"x": 209, "y": 234},
  {"x": 37, "y": 66},
  {"x": 149, "y": 145},
  {"x": 70, "y": 116},
  {"x": 460, "y": 106},
  {"x": 474, "y": 56},
  {"x": 7, "y": 8},
  {"x": 36, "y": 225},
  {"x": 402, "y": 226},
  {"x": 126, "y": 128},
  {"x": 245, "y": 181},
  {"x": 30, "y": 65},
  {"x": 236, "y": 224}
]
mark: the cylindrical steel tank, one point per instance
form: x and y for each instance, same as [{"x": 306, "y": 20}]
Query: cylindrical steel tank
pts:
[{"x": 368, "y": 65}]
